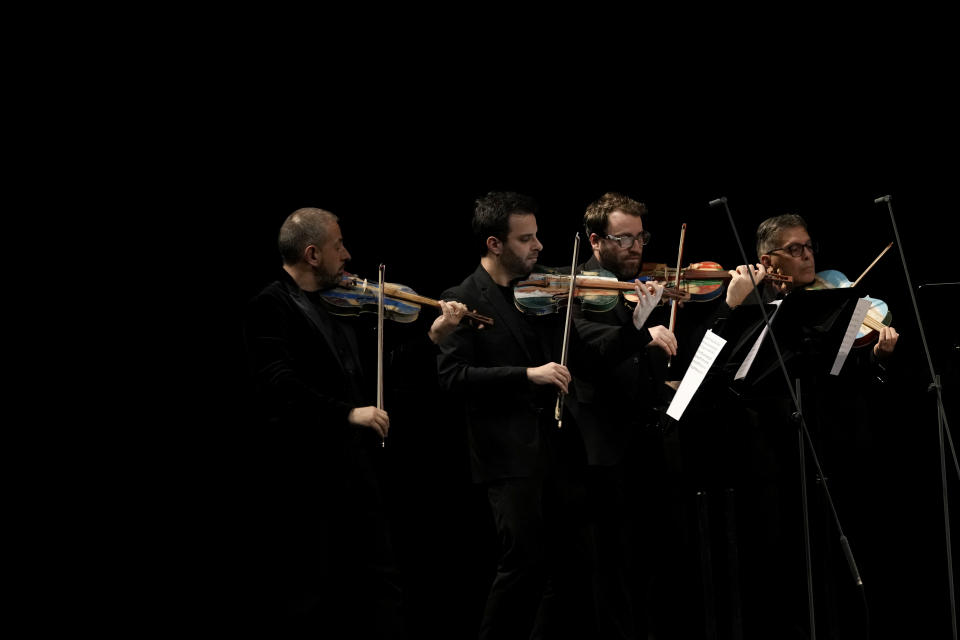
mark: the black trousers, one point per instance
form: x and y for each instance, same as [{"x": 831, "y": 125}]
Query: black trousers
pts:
[
  {"x": 613, "y": 552},
  {"x": 542, "y": 584},
  {"x": 328, "y": 561}
]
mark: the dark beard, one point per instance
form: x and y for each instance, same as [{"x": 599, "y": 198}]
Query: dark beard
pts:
[
  {"x": 326, "y": 280},
  {"x": 606, "y": 258},
  {"x": 514, "y": 264}
]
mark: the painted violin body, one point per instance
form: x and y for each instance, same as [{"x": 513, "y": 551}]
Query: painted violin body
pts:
[
  {"x": 546, "y": 292},
  {"x": 701, "y": 284},
  {"x": 878, "y": 315},
  {"x": 354, "y": 296},
  {"x": 704, "y": 281}
]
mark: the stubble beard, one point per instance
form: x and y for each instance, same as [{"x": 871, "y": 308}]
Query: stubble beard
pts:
[
  {"x": 515, "y": 265},
  {"x": 328, "y": 280}
]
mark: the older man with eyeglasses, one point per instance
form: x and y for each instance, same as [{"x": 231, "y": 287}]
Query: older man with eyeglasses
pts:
[{"x": 784, "y": 246}]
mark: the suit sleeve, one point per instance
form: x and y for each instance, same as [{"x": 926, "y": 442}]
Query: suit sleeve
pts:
[
  {"x": 468, "y": 360},
  {"x": 288, "y": 393},
  {"x": 600, "y": 346}
]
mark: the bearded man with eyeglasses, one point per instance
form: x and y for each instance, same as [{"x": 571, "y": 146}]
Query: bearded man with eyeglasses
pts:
[{"x": 615, "y": 410}]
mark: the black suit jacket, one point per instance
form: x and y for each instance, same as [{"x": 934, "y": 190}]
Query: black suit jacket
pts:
[
  {"x": 302, "y": 391},
  {"x": 487, "y": 368},
  {"x": 615, "y": 401},
  {"x": 317, "y": 523}
]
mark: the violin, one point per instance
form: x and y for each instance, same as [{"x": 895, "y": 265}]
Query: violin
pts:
[
  {"x": 878, "y": 315},
  {"x": 355, "y": 295},
  {"x": 547, "y": 291},
  {"x": 704, "y": 281}
]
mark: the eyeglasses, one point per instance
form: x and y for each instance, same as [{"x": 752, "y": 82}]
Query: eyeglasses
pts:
[
  {"x": 795, "y": 249},
  {"x": 626, "y": 241}
]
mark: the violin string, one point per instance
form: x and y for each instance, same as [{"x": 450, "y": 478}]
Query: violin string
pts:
[{"x": 873, "y": 323}]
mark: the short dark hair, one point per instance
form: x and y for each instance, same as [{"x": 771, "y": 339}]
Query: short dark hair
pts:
[
  {"x": 768, "y": 233},
  {"x": 302, "y": 228},
  {"x": 491, "y": 215},
  {"x": 597, "y": 217}
]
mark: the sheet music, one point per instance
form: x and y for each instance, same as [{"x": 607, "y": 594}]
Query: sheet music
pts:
[
  {"x": 745, "y": 365},
  {"x": 859, "y": 313},
  {"x": 696, "y": 372}
]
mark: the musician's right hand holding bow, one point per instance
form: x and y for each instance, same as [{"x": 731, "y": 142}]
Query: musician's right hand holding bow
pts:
[{"x": 648, "y": 297}]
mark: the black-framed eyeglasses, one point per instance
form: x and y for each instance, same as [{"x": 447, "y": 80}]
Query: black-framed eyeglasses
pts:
[
  {"x": 626, "y": 241},
  {"x": 795, "y": 249}
]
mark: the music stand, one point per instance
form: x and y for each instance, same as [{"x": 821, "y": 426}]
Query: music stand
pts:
[{"x": 808, "y": 327}]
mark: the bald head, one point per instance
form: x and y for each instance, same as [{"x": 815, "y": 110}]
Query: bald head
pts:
[{"x": 302, "y": 228}]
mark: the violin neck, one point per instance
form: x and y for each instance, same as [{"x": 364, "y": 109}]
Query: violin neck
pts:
[
  {"x": 599, "y": 283},
  {"x": 400, "y": 294},
  {"x": 715, "y": 274},
  {"x": 586, "y": 282},
  {"x": 393, "y": 291},
  {"x": 778, "y": 277}
]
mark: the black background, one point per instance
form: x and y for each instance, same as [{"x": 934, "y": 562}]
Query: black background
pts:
[
  {"x": 402, "y": 174},
  {"x": 202, "y": 131}
]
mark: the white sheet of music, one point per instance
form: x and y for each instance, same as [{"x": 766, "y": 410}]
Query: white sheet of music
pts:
[
  {"x": 696, "y": 372},
  {"x": 859, "y": 313},
  {"x": 745, "y": 365}
]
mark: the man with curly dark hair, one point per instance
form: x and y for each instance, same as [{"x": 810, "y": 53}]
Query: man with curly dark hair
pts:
[{"x": 508, "y": 377}]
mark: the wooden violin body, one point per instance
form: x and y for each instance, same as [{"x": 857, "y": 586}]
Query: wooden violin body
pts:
[
  {"x": 355, "y": 295},
  {"x": 704, "y": 281},
  {"x": 878, "y": 315},
  {"x": 697, "y": 279},
  {"x": 401, "y": 303}
]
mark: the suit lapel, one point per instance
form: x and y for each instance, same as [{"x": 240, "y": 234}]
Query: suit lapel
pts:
[
  {"x": 503, "y": 313},
  {"x": 313, "y": 315}
]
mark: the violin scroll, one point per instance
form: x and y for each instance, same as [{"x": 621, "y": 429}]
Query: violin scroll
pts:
[{"x": 777, "y": 278}]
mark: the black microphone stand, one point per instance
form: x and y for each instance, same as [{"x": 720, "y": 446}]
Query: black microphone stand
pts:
[
  {"x": 944, "y": 429},
  {"x": 805, "y": 435}
]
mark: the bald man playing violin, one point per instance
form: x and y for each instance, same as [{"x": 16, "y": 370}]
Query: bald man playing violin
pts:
[
  {"x": 330, "y": 554},
  {"x": 507, "y": 377}
]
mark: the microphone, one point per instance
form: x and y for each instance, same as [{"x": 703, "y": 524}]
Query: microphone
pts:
[
  {"x": 882, "y": 199},
  {"x": 723, "y": 200}
]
